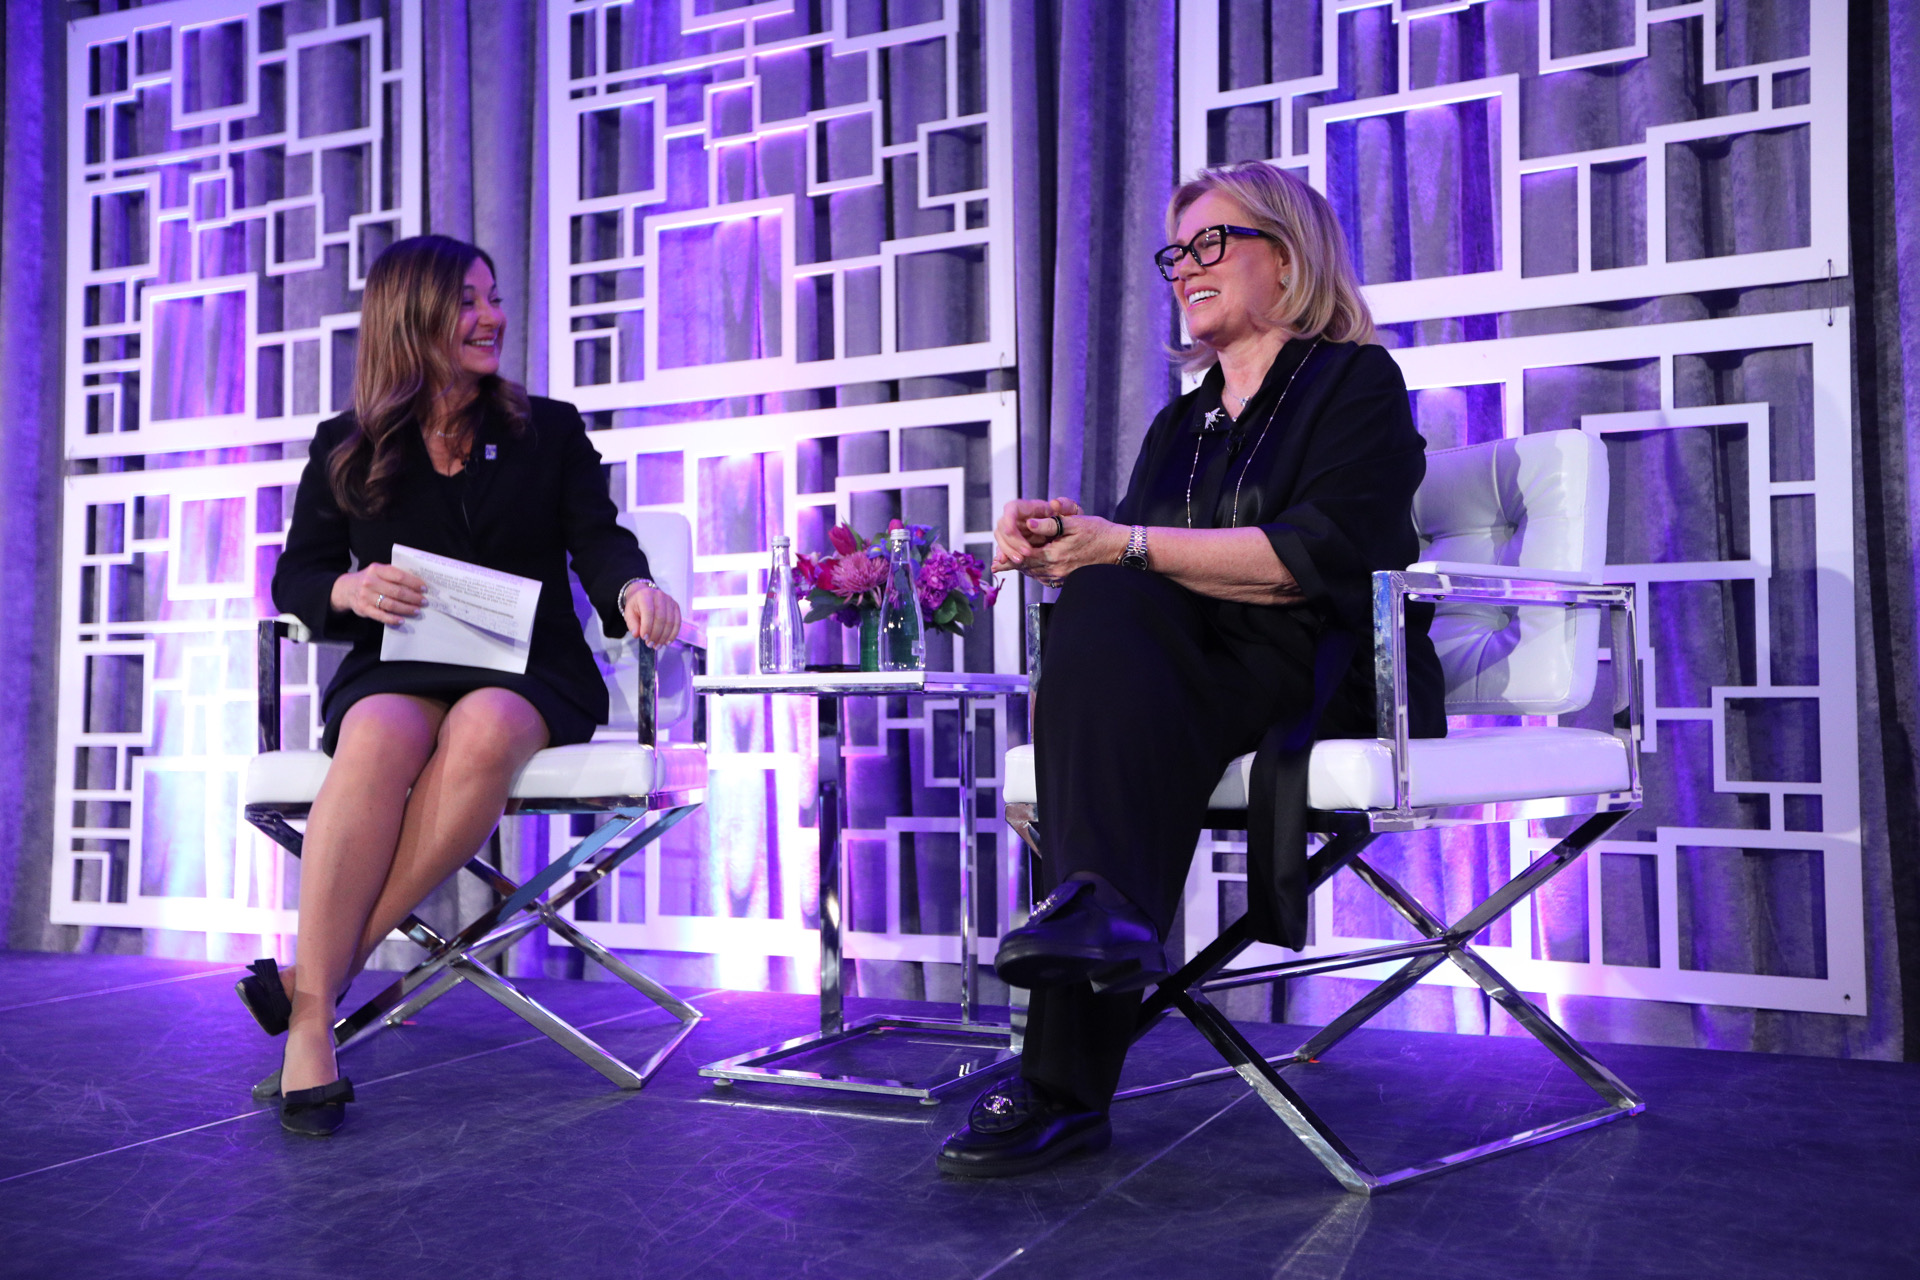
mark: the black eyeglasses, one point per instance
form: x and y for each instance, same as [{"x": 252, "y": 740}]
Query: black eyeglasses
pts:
[{"x": 1206, "y": 248}]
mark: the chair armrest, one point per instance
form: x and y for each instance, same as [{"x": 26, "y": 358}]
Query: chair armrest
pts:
[
  {"x": 267, "y": 673},
  {"x": 692, "y": 640},
  {"x": 1488, "y": 585},
  {"x": 1472, "y": 570}
]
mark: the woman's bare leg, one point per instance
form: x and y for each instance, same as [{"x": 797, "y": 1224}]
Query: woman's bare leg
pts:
[
  {"x": 346, "y": 858},
  {"x": 485, "y": 740}
]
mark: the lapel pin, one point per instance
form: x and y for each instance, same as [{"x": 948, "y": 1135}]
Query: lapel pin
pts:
[{"x": 493, "y": 451}]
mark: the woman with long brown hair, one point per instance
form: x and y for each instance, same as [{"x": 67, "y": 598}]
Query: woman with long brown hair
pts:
[{"x": 442, "y": 454}]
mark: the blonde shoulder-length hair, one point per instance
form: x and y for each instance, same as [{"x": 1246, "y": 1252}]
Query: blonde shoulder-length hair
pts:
[{"x": 1322, "y": 298}]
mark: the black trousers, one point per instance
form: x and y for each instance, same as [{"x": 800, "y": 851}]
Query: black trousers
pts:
[{"x": 1146, "y": 692}]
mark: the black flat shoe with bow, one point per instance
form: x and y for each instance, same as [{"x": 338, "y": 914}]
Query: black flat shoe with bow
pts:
[
  {"x": 1083, "y": 931},
  {"x": 266, "y": 999},
  {"x": 318, "y": 1111},
  {"x": 1013, "y": 1128}
]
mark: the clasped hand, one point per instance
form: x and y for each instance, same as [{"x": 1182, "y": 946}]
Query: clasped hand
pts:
[
  {"x": 390, "y": 596},
  {"x": 1047, "y": 540}
]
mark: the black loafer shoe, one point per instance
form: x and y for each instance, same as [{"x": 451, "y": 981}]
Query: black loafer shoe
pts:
[
  {"x": 266, "y": 999},
  {"x": 1012, "y": 1129},
  {"x": 1073, "y": 937},
  {"x": 318, "y": 1111}
]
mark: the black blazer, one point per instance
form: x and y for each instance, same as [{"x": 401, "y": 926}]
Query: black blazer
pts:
[
  {"x": 529, "y": 502},
  {"x": 1324, "y": 460}
]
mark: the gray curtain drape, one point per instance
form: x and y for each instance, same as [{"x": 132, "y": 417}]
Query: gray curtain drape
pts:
[
  {"x": 32, "y": 255},
  {"x": 1884, "y": 220},
  {"x": 1094, "y": 105}
]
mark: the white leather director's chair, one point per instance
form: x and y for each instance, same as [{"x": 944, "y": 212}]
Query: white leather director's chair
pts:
[
  {"x": 628, "y": 775},
  {"x": 1514, "y": 535}
]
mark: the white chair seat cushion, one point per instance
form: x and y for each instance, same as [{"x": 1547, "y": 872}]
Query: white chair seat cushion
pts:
[
  {"x": 584, "y": 771},
  {"x": 1472, "y": 766}
]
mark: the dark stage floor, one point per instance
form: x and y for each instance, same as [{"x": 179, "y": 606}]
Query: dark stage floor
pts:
[{"x": 132, "y": 1149}]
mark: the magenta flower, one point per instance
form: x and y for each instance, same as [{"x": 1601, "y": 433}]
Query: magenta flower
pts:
[
  {"x": 844, "y": 540},
  {"x": 853, "y": 576},
  {"x": 806, "y": 573}
]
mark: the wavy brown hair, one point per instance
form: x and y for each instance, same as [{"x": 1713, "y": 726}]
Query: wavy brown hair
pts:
[
  {"x": 409, "y": 336},
  {"x": 1322, "y": 298}
]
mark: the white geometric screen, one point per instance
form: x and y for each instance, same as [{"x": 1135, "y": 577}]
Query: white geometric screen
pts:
[
  {"x": 234, "y": 168},
  {"x": 776, "y": 196},
  {"x": 1558, "y": 154},
  {"x": 782, "y": 292},
  {"x": 738, "y": 881},
  {"x": 1501, "y": 141},
  {"x": 1730, "y": 811}
]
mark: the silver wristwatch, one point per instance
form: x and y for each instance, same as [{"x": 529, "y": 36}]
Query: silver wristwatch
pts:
[
  {"x": 1135, "y": 556},
  {"x": 620, "y": 601}
]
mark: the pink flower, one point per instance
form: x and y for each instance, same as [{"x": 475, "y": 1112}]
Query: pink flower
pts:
[
  {"x": 852, "y": 576},
  {"x": 806, "y": 574},
  {"x": 843, "y": 539}
]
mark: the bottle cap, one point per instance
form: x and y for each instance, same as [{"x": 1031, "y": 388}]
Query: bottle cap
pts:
[
  {"x": 899, "y": 535},
  {"x": 781, "y": 540}
]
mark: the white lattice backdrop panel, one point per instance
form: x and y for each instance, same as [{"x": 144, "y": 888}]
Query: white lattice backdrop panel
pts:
[
  {"x": 781, "y": 197},
  {"x": 741, "y": 885},
  {"x": 234, "y": 169},
  {"x": 776, "y": 196},
  {"x": 1675, "y": 99},
  {"x": 1788, "y": 569}
]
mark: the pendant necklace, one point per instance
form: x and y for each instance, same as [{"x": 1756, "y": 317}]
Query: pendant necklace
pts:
[{"x": 1234, "y": 519}]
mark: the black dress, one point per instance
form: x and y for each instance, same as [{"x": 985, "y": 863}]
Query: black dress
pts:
[
  {"x": 1148, "y": 690},
  {"x": 524, "y": 504}
]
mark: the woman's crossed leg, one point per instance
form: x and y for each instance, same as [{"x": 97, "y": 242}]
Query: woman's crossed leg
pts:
[{"x": 413, "y": 792}]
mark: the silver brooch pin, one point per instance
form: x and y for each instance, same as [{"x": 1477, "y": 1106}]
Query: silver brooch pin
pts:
[{"x": 1213, "y": 419}]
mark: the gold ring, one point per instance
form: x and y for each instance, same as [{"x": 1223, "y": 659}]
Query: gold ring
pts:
[{"x": 380, "y": 601}]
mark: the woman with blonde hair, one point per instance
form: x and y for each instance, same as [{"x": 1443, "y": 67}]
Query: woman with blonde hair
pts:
[
  {"x": 1228, "y": 603},
  {"x": 442, "y": 454}
]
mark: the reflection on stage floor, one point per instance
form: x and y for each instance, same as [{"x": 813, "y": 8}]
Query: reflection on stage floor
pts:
[{"x": 132, "y": 1149}]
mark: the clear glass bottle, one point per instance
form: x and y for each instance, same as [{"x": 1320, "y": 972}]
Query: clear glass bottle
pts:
[
  {"x": 903, "y": 645},
  {"x": 783, "y": 644}
]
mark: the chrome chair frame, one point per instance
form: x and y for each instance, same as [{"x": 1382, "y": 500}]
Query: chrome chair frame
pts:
[
  {"x": 1351, "y": 831},
  {"x": 520, "y": 908}
]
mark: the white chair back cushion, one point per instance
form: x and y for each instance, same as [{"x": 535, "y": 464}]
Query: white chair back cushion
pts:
[
  {"x": 667, "y": 539},
  {"x": 1536, "y": 502}
]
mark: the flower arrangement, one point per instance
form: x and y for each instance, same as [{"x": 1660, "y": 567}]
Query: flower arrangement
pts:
[{"x": 853, "y": 577}]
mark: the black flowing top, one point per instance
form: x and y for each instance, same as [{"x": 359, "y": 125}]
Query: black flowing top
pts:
[
  {"x": 1324, "y": 460},
  {"x": 524, "y": 504}
]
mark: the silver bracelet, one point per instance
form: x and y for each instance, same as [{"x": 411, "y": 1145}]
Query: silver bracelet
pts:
[{"x": 620, "y": 601}]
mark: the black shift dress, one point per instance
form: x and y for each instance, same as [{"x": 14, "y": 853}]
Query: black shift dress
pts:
[
  {"x": 1148, "y": 689},
  {"x": 527, "y": 503}
]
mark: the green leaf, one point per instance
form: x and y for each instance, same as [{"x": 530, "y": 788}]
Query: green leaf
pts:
[{"x": 821, "y": 604}]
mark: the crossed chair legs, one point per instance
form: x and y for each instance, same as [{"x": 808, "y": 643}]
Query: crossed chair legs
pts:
[
  {"x": 520, "y": 910},
  {"x": 1187, "y": 991}
]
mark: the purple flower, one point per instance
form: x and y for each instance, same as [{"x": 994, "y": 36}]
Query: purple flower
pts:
[{"x": 939, "y": 574}]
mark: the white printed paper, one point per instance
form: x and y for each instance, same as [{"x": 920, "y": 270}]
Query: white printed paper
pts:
[{"x": 473, "y": 616}]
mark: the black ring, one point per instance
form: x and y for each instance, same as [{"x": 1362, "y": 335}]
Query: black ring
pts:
[{"x": 1059, "y": 527}]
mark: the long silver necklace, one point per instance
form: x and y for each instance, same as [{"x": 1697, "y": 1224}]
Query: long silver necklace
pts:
[{"x": 1233, "y": 520}]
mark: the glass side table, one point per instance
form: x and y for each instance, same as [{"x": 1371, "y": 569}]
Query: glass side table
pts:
[{"x": 982, "y": 1046}]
